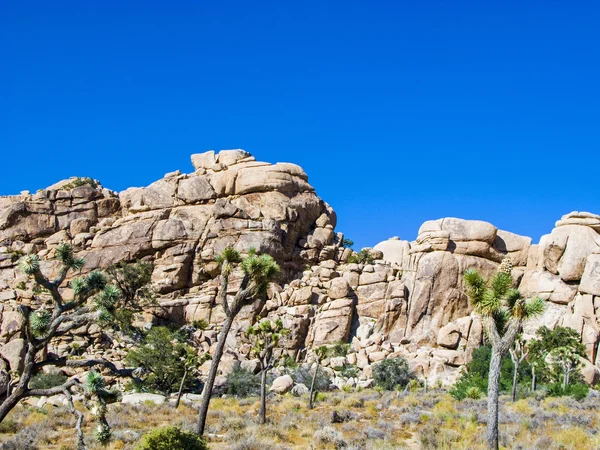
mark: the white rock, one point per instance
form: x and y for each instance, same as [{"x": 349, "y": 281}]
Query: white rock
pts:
[{"x": 136, "y": 399}]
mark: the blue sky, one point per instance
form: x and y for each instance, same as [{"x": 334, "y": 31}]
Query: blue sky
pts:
[{"x": 400, "y": 112}]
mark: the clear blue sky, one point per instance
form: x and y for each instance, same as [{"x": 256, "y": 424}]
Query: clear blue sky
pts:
[{"x": 399, "y": 112}]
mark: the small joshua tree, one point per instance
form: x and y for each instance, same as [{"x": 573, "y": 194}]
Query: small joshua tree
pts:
[
  {"x": 265, "y": 337},
  {"x": 96, "y": 397},
  {"x": 320, "y": 354},
  {"x": 94, "y": 302},
  {"x": 518, "y": 353},
  {"x": 258, "y": 271},
  {"x": 503, "y": 311}
]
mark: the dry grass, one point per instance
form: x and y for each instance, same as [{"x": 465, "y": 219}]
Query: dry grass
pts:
[{"x": 359, "y": 420}]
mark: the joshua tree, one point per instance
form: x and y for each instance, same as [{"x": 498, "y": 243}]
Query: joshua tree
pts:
[
  {"x": 320, "y": 354},
  {"x": 258, "y": 271},
  {"x": 503, "y": 311},
  {"x": 265, "y": 337},
  {"x": 96, "y": 397},
  {"x": 94, "y": 302},
  {"x": 518, "y": 353}
]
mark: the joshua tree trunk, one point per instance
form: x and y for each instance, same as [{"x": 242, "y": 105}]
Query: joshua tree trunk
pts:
[
  {"x": 514, "y": 385},
  {"x": 263, "y": 396},
  {"x": 212, "y": 374},
  {"x": 181, "y": 388},
  {"x": 19, "y": 390},
  {"x": 493, "y": 386},
  {"x": 533, "y": 380},
  {"x": 311, "y": 397}
]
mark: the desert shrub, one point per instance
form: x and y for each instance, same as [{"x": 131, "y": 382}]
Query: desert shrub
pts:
[
  {"x": 329, "y": 436},
  {"x": 477, "y": 371},
  {"x": 374, "y": 433},
  {"x": 578, "y": 391},
  {"x": 201, "y": 324},
  {"x": 341, "y": 416},
  {"x": 80, "y": 181},
  {"x": 9, "y": 426},
  {"x": 246, "y": 441},
  {"x": 163, "y": 356},
  {"x": 413, "y": 385},
  {"x": 339, "y": 349},
  {"x": 349, "y": 371},
  {"x": 304, "y": 376},
  {"x": 362, "y": 257},
  {"x": 390, "y": 374},
  {"x": 27, "y": 438},
  {"x": 47, "y": 380},
  {"x": 170, "y": 438},
  {"x": 242, "y": 383}
]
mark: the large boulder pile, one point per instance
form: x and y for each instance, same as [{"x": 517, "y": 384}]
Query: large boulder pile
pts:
[{"x": 406, "y": 299}]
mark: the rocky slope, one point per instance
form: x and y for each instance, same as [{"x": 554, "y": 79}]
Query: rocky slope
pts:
[{"x": 408, "y": 301}]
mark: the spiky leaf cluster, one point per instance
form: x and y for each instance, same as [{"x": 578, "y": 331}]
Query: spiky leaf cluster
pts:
[
  {"x": 261, "y": 269},
  {"x": 64, "y": 253},
  {"x": 88, "y": 285},
  {"x": 39, "y": 322},
  {"x": 94, "y": 383},
  {"x": 29, "y": 264},
  {"x": 227, "y": 258},
  {"x": 102, "y": 433},
  {"x": 497, "y": 299}
]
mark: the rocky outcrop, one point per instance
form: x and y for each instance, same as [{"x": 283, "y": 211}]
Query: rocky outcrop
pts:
[{"x": 407, "y": 299}]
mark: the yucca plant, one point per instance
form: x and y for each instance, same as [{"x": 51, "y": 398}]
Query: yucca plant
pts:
[
  {"x": 503, "y": 311},
  {"x": 258, "y": 271},
  {"x": 474, "y": 393},
  {"x": 265, "y": 337}
]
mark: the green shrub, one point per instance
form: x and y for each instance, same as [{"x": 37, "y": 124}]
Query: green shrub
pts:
[
  {"x": 171, "y": 438},
  {"x": 339, "y": 349},
  {"x": 242, "y": 383},
  {"x": 201, "y": 324},
  {"x": 578, "y": 391},
  {"x": 47, "y": 380},
  {"x": 390, "y": 374},
  {"x": 9, "y": 426},
  {"x": 362, "y": 257},
  {"x": 163, "y": 356},
  {"x": 347, "y": 243},
  {"x": 477, "y": 371},
  {"x": 349, "y": 371}
]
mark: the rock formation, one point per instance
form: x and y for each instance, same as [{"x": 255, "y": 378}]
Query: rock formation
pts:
[{"x": 407, "y": 301}]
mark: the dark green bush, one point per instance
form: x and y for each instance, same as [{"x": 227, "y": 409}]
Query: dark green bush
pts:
[
  {"x": 477, "y": 371},
  {"x": 349, "y": 371},
  {"x": 171, "y": 438},
  {"x": 579, "y": 391},
  {"x": 362, "y": 257},
  {"x": 47, "y": 380},
  {"x": 391, "y": 374},
  {"x": 242, "y": 383},
  {"x": 163, "y": 356}
]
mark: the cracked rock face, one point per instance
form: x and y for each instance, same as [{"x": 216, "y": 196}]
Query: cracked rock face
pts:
[{"x": 408, "y": 302}]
